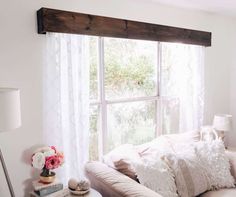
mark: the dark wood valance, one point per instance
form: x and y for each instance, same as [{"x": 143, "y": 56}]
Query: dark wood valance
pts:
[{"x": 51, "y": 20}]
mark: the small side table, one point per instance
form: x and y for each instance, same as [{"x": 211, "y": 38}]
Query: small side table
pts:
[{"x": 91, "y": 193}]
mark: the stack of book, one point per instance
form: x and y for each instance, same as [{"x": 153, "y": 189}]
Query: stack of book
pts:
[{"x": 54, "y": 189}]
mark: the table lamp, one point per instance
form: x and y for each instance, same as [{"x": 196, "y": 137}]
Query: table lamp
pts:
[
  {"x": 222, "y": 123},
  {"x": 10, "y": 118}
]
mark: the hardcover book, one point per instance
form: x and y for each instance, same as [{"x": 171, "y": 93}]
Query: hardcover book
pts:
[
  {"x": 62, "y": 193},
  {"x": 39, "y": 185},
  {"x": 48, "y": 190}
]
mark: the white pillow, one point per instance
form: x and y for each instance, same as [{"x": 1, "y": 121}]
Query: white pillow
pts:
[
  {"x": 156, "y": 148},
  {"x": 190, "y": 176},
  {"x": 122, "y": 159},
  {"x": 186, "y": 137},
  {"x": 166, "y": 143},
  {"x": 199, "y": 167},
  {"x": 157, "y": 176},
  {"x": 213, "y": 156}
]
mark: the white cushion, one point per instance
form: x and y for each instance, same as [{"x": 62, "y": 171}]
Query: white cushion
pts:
[
  {"x": 191, "y": 177},
  {"x": 121, "y": 159},
  {"x": 157, "y": 176},
  {"x": 186, "y": 137},
  {"x": 199, "y": 167},
  {"x": 213, "y": 157}
]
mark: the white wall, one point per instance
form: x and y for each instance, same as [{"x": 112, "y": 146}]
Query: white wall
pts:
[
  {"x": 232, "y": 135},
  {"x": 21, "y": 58}
]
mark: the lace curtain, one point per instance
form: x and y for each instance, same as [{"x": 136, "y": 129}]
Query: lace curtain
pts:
[
  {"x": 66, "y": 100},
  {"x": 182, "y": 87}
]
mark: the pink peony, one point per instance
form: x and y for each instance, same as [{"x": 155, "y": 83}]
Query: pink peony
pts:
[{"x": 52, "y": 162}]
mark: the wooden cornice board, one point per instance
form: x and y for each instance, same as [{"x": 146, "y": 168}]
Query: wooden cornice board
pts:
[{"x": 51, "y": 20}]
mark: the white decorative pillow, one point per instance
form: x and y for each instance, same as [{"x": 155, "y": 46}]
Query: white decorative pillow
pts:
[
  {"x": 186, "y": 137},
  {"x": 122, "y": 159},
  {"x": 166, "y": 143},
  {"x": 157, "y": 176},
  {"x": 190, "y": 176},
  {"x": 199, "y": 167},
  {"x": 213, "y": 156},
  {"x": 156, "y": 148}
]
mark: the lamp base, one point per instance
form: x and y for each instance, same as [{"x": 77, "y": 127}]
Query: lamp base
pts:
[
  {"x": 6, "y": 175},
  {"x": 221, "y": 135}
]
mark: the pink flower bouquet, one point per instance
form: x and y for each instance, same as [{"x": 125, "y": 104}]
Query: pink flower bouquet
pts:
[{"x": 46, "y": 159}]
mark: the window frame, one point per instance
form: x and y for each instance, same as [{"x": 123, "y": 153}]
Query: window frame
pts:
[{"x": 102, "y": 102}]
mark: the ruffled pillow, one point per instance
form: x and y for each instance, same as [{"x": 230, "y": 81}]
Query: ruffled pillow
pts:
[
  {"x": 157, "y": 176},
  {"x": 213, "y": 156}
]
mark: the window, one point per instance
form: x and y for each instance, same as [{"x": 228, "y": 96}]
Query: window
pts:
[
  {"x": 133, "y": 96},
  {"x": 124, "y": 92}
]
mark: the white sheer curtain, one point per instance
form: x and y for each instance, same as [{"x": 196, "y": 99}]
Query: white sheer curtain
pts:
[
  {"x": 182, "y": 87},
  {"x": 66, "y": 100}
]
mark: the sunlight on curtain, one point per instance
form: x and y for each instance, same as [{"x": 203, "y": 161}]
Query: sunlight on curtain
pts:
[
  {"x": 66, "y": 100},
  {"x": 182, "y": 87}
]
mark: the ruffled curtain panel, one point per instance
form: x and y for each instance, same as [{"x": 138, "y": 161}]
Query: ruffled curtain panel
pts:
[{"x": 66, "y": 100}]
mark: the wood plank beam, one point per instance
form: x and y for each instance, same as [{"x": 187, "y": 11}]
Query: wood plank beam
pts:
[{"x": 51, "y": 20}]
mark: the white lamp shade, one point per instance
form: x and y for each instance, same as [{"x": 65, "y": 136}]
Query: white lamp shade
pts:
[
  {"x": 222, "y": 122},
  {"x": 10, "y": 113}
]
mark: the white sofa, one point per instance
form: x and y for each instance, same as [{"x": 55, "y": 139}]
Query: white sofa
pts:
[{"x": 111, "y": 183}]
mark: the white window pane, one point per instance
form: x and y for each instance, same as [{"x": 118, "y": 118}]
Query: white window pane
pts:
[
  {"x": 94, "y": 119},
  {"x": 93, "y": 59},
  {"x": 130, "y": 123},
  {"x": 130, "y": 68},
  {"x": 177, "y": 69}
]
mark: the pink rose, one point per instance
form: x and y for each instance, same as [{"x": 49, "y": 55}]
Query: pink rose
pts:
[{"x": 52, "y": 162}]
